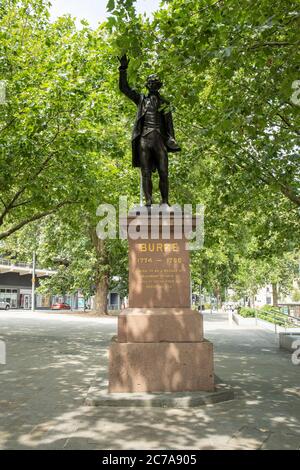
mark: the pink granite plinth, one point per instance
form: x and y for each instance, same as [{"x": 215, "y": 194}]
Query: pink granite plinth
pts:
[
  {"x": 154, "y": 325},
  {"x": 161, "y": 367},
  {"x": 160, "y": 345}
]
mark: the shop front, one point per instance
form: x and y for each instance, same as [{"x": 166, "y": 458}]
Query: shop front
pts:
[{"x": 9, "y": 295}]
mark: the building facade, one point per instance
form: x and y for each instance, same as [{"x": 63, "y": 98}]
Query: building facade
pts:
[{"x": 16, "y": 289}]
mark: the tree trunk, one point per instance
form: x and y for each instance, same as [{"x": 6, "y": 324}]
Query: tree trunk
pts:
[
  {"x": 275, "y": 294},
  {"x": 217, "y": 296},
  {"x": 102, "y": 272},
  {"x": 101, "y": 295}
]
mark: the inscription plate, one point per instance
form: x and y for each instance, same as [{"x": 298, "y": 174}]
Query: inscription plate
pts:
[{"x": 159, "y": 274}]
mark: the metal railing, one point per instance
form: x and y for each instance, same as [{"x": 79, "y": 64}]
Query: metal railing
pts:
[
  {"x": 8, "y": 262},
  {"x": 278, "y": 318}
]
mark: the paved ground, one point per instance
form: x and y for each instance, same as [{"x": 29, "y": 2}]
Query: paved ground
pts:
[{"x": 52, "y": 360}]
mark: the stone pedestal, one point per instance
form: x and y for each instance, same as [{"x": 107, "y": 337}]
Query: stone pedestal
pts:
[
  {"x": 148, "y": 325},
  {"x": 160, "y": 344}
]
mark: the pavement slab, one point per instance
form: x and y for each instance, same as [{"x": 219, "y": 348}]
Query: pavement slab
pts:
[{"x": 52, "y": 361}]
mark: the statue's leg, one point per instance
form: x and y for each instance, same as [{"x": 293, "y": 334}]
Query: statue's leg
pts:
[
  {"x": 146, "y": 169},
  {"x": 162, "y": 166}
]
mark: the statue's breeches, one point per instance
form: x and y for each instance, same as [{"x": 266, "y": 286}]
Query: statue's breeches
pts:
[{"x": 153, "y": 154}]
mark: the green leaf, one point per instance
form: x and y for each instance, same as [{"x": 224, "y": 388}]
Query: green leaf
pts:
[{"x": 110, "y": 5}]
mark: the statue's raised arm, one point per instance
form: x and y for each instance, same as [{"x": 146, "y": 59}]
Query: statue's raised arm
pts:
[{"x": 123, "y": 83}]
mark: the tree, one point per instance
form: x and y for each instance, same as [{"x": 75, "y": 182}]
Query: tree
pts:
[
  {"x": 251, "y": 275},
  {"x": 40, "y": 155},
  {"x": 62, "y": 141},
  {"x": 54, "y": 125},
  {"x": 231, "y": 70}
]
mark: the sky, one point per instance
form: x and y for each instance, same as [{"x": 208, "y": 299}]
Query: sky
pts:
[{"x": 94, "y": 10}]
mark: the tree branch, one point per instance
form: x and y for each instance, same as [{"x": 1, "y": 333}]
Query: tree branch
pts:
[
  {"x": 22, "y": 203},
  {"x": 35, "y": 217},
  {"x": 287, "y": 191},
  {"x": 284, "y": 119},
  {"x": 3, "y": 202},
  {"x": 210, "y": 6},
  {"x": 7, "y": 125},
  {"x": 272, "y": 44},
  {"x": 11, "y": 204}
]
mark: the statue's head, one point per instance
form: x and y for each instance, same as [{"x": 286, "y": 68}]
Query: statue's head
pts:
[{"x": 153, "y": 82}]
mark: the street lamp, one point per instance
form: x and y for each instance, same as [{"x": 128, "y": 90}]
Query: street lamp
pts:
[{"x": 33, "y": 282}]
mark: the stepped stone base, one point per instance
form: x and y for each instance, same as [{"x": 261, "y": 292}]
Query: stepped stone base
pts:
[
  {"x": 98, "y": 396},
  {"x": 161, "y": 367},
  {"x": 155, "y": 325}
]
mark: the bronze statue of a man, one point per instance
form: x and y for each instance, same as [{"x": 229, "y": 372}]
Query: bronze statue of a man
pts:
[{"x": 153, "y": 133}]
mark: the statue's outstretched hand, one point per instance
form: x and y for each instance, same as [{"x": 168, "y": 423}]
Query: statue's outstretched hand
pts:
[{"x": 124, "y": 61}]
